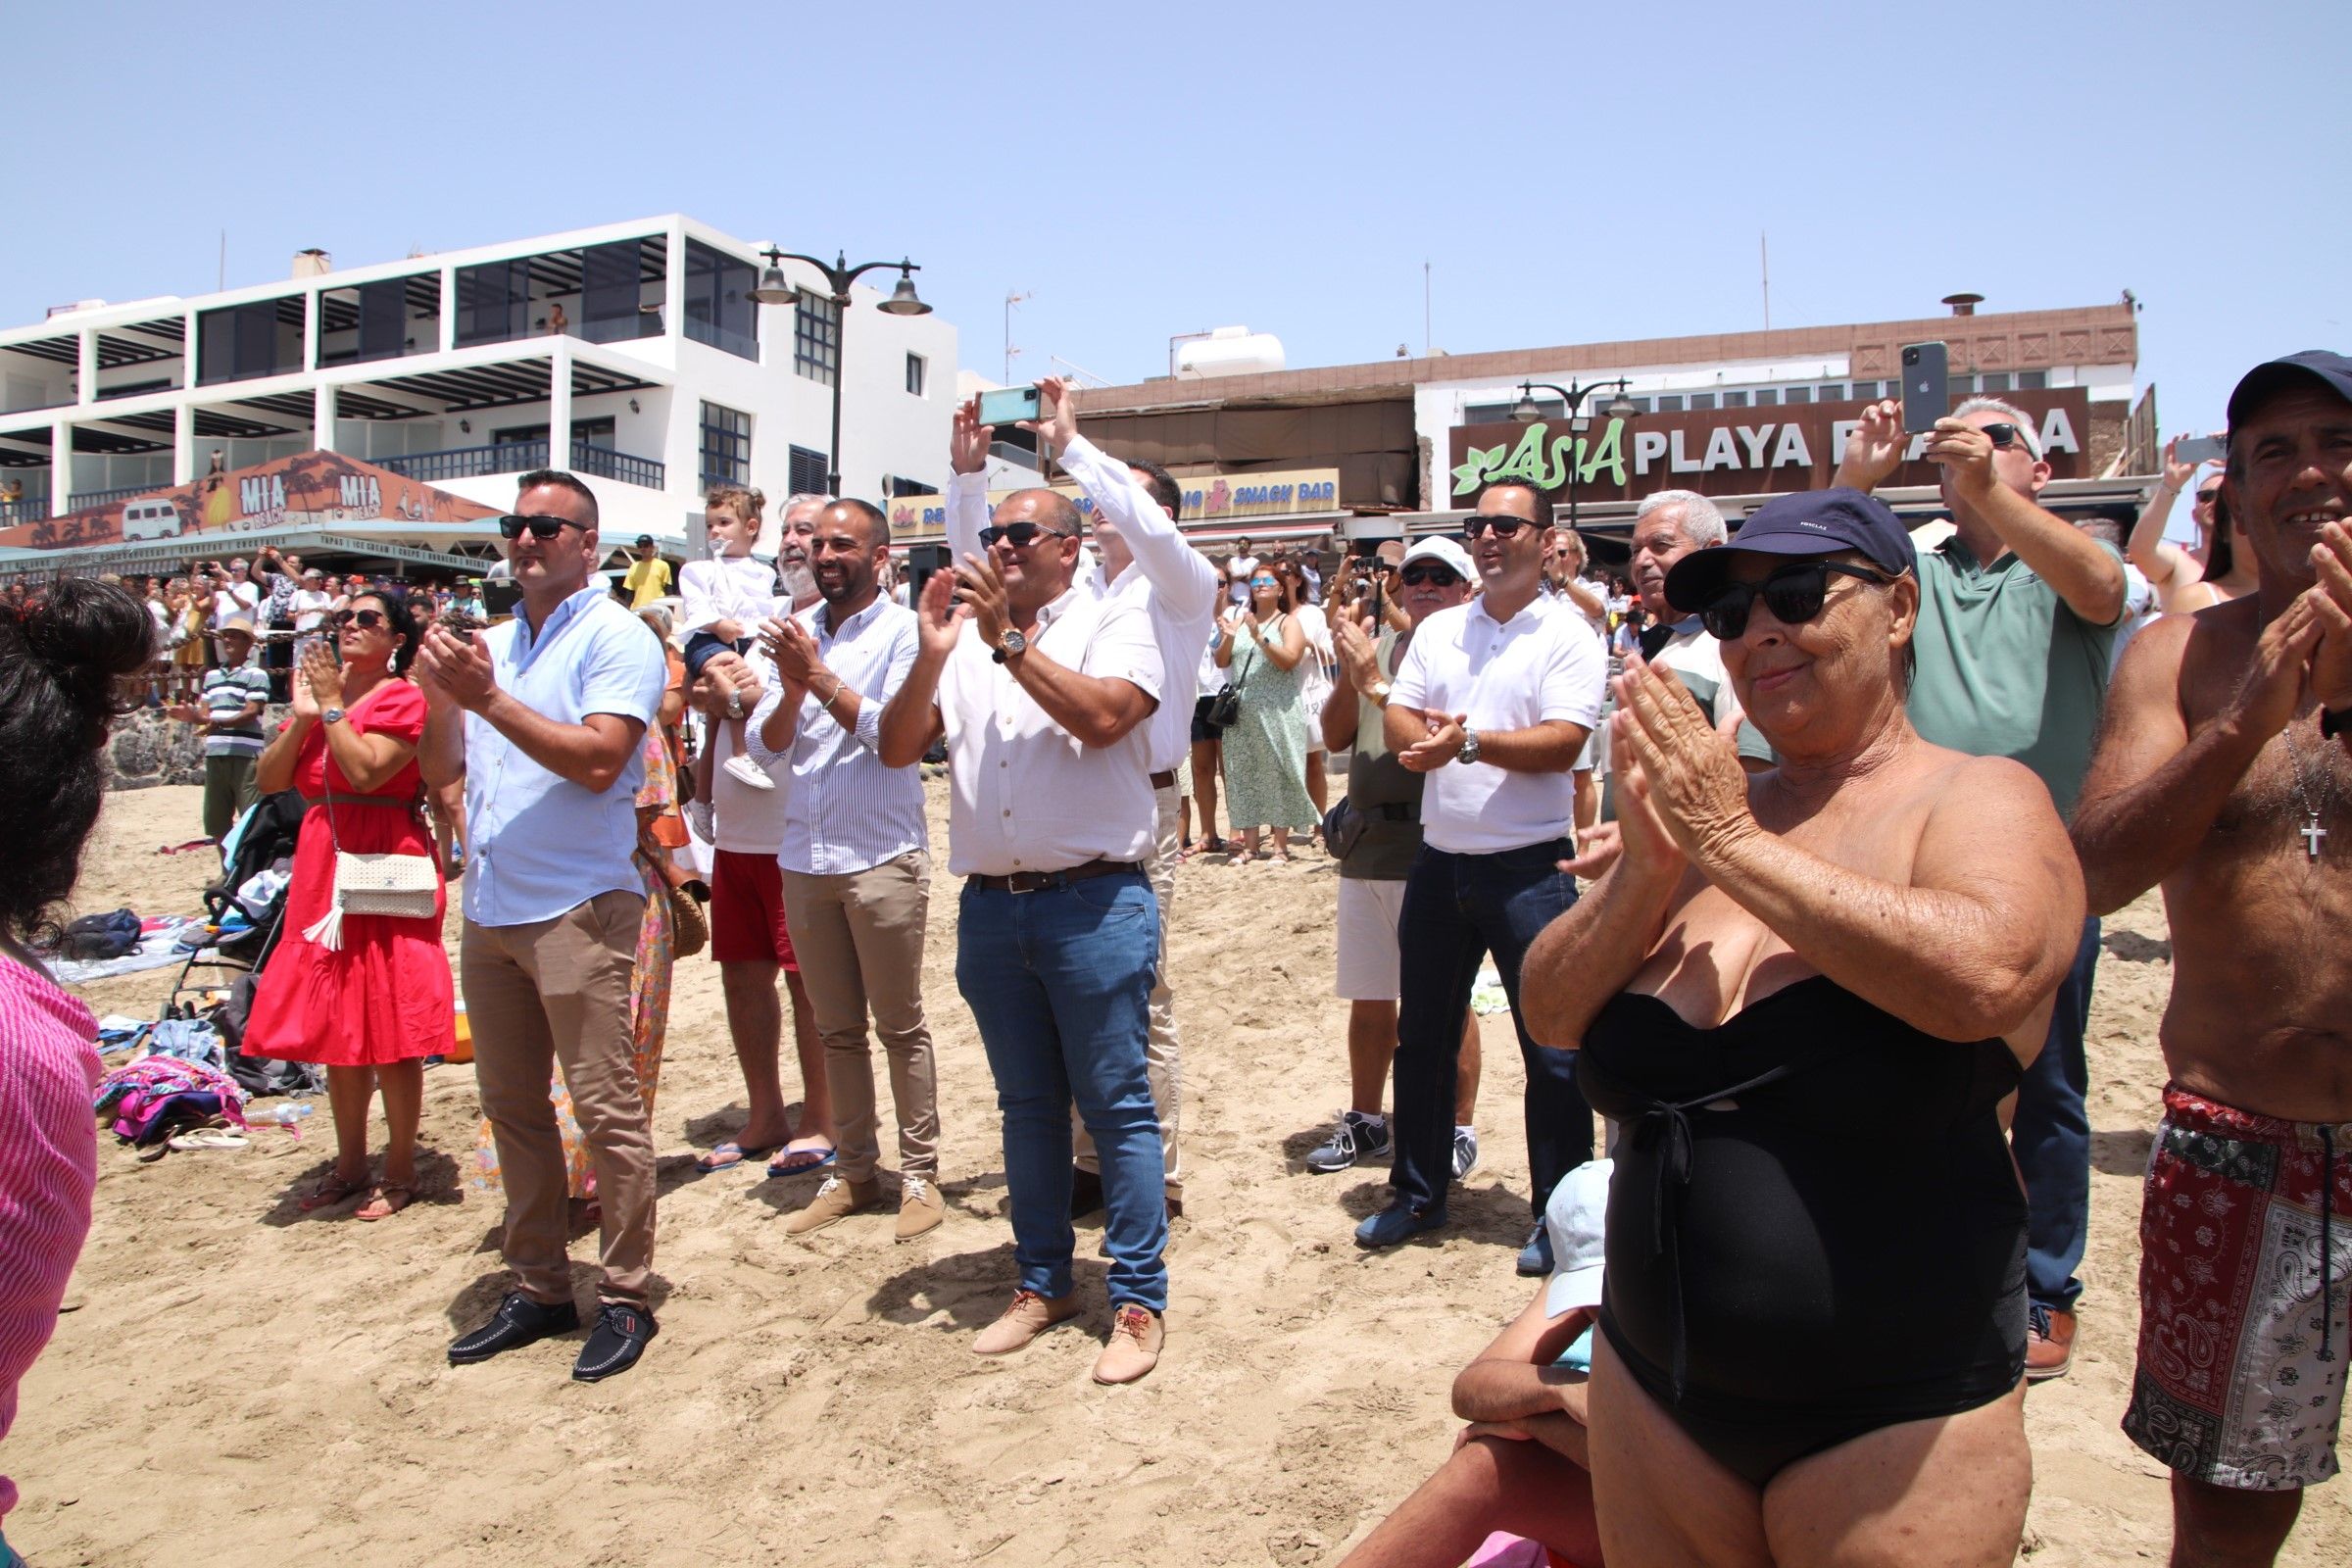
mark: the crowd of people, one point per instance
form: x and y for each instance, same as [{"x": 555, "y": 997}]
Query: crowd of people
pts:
[{"x": 1789, "y": 849}]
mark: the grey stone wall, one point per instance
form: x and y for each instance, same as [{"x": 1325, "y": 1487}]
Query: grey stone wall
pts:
[{"x": 150, "y": 749}]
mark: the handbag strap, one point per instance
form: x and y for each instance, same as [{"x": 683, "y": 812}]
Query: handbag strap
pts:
[{"x": 1253, "y": 658}]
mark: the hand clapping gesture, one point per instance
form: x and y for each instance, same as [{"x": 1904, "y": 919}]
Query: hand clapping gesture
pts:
[
  {"x": 940, "y": 618},
  {"x": 1689, "y": 781},
  {"x": 2330, "y": 600},
  {"x": 455, "y": 670},
  {"x": 981, "y": 591},
  {"x": 1359, "y": 655},
  {"x": 321, "y": 685}
]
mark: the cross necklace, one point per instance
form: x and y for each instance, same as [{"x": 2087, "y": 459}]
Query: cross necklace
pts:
[{"x": 2311, "y": 831}]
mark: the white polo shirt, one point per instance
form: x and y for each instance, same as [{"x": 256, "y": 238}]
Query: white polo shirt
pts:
[
  {"x": 1542, "y": 664},
  {"x": 538, "y": 844},
  {"x": 1026, "y": 794}
]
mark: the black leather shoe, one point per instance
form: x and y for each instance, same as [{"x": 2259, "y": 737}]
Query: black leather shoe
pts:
[
  {"x": 519, "y": 1321},
  {"x": 619, "y": 1341},
  {"x": 1085, "y": 1193}
]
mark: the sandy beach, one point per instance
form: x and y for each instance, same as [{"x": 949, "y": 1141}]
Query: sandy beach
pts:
[{"x": 241, "y": 1383}]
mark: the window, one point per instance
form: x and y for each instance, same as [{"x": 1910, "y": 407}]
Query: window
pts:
[
  {"x": 896, "y": 486},
  {"x": 817, "y": 338},
  {"x": 2033, "y": 381},
  {"x": 1670, "y": 402},
  {"x": 1832, "y": 392},
  {"x": 1767, "y": 397},
  {"x": 1866, "y": 391},
  {"x": 726, "y": 446},
  {"x": 240, "y": 341},
  {"x": 494, "y": 302},
  {"x": 1798, "y": 394},
  {"x": 1500, "y": 413},
  {"x": 1734, "y": 399},
  {"x": 719, "y": 308},
  {"x": 1702, "y": 399},
  {"x": 610, "y": 307},
  {"x": 804, "y": 473},
  {"x": 915, "y": 375},
  {"x": 1996, "y": 382}
]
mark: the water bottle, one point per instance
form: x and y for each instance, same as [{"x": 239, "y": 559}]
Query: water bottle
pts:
[{"x": 286, "y": 1116}]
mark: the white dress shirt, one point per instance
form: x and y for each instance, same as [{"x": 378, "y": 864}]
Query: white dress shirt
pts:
[
  {"x": 1542, "y": 664},
  {"x": 1027, "y": 795},
  {"x": 537, "y": 844},
  {"x": 749, "y": 821},
  {"x": 736, "y": 588},
  {"x": 1174, "y": 583},
  {"x": 844, "y": 811}
]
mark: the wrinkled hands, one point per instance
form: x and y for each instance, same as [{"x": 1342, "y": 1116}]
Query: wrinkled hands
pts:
[
  {"x": 1359, "y": 659},
  {"x": 1675, "y": 768}
]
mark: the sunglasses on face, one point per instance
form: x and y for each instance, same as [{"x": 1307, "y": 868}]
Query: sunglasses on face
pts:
[
  {"x": 2206, "y": 498},
  {"x": 366, "y": 620},
  {"x": 511, "y": 526},
  {"x": 1428, "y": 574},
  {"x": 1793, "y": 594},
  {"x": 2006, "y": 437},
  {"x": 1019, "y": 535},
  {"x": 1503, "y": 527},
  {"x": 1263, "y": 582}
]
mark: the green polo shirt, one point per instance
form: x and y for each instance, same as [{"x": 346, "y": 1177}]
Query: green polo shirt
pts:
[{"x": 2006, "y": 669}]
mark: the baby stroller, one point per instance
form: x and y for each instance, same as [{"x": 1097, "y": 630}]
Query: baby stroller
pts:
[{"x": 244, "y": 927}]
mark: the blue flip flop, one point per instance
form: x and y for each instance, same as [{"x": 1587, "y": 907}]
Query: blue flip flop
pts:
[
  {"x": 825, "y": 1156},
  {"x": 714, "y": 1162}
]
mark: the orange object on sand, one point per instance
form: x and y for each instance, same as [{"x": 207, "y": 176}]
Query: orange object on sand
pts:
[{"x": 461, "y": 1044}]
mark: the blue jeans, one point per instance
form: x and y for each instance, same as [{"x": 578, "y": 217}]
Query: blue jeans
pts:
[
  {"x": 2052, "y": 1137},
  {"x": 1458, "y": 909},
  {"x": 1060, "y": 982}
]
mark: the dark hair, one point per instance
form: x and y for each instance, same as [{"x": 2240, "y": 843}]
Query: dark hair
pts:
[
  {"x": 561, "y": 481},
  {"x": 1161, "y": 484},
  {"x": 1543, "y": 497},
  {"x": 61, "y": 652},
  {"x": 403, "y": 620},
  {"x": 877, "y": 524},
  {"x": 2221, "y": 555},
  {"x": 1060, "y": 512}
]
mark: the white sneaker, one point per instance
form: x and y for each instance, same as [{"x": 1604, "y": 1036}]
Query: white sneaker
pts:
[
  {"x": 1465, "y": 1152},
  {"x": 743, "y": 771},
  {"x": 703, "y": 821}
]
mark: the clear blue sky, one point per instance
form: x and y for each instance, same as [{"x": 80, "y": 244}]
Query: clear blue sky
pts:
[{"x": 1571, "y": 173}]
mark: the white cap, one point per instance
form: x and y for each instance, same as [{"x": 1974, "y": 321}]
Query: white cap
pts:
[
  {"x": 1445, "y": 552},
  {"x": 1576, "y": 1218}
]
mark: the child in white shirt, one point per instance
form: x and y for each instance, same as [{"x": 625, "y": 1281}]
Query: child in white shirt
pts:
[{"x": 725, "y": 599}]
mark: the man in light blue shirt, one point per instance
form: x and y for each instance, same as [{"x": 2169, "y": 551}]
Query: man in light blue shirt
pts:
[{"x": 543, "y": 717}]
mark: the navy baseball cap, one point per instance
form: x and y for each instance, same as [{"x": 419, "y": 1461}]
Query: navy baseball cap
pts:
[
  {"x": 2332, "y": 370},
  {"x": 1811, "y": 523}
]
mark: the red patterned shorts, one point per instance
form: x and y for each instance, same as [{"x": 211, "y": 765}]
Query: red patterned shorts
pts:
[{"x": 2244, "y": 1330}]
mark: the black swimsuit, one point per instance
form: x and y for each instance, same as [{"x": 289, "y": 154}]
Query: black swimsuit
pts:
[{"x": 1843, "y": 1251}]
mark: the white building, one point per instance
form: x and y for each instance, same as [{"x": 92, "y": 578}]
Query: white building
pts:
[{"x": 638, "y": 341}]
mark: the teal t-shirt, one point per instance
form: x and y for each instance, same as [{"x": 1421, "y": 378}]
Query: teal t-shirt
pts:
[{"x": 2006, "y": 669}]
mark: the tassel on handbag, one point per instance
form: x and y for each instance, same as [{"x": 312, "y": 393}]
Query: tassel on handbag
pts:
[{"x": 404, "y": 886}]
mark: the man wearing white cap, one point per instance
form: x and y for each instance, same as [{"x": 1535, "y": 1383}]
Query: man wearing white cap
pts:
[{"x": 1521, "y": 1465}]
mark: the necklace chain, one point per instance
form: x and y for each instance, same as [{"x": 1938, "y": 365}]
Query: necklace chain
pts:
[{"x": 2312, "y": 832}]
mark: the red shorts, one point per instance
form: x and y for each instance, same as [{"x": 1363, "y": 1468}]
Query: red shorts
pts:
[{"x": 747, "y": 910}]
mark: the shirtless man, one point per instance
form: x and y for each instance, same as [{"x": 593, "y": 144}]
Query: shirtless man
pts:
[{"x": 2225, "y": 772}]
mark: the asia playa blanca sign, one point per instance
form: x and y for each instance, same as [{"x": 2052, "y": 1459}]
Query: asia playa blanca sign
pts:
[{"x": 1722, "y": 452}]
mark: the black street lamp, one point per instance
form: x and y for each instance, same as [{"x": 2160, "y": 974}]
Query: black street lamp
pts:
[
  {"x": 776, "y": 290},
  {"x": 1619, "y": 407}
]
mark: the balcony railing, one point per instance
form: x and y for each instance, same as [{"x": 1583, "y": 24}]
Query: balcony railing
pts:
[
  {"x": 30, "y": 509},
  {"x": 606, "y": 464},
  {"x": 469, "y": 462},
  {"x": 82, "y": 500}
]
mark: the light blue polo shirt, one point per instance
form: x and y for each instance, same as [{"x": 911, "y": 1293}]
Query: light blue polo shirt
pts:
[{"x": 538, "y": 844}]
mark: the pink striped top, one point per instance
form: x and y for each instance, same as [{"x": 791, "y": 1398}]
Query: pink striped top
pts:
[{"x": 48, "y": 1166}]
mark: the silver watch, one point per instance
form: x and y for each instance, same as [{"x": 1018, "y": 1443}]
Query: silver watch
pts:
[
  {"x": 1469, "y": 751},
  {"x": 333, "y": 716}
]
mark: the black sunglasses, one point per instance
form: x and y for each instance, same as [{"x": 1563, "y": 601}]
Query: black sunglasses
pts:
[
  {"x": 1794, "y": 593},
  {"x": 1503, "y": 527},
  {"x": 1423, "y": 572},
  {"x": 2206, "y": 498},
  {"x": 2006, "y": 437},
  {"x": 368, "y": 619},
  {"x": 1020, "y": 535},
  {"x": 511, "y": 526}
]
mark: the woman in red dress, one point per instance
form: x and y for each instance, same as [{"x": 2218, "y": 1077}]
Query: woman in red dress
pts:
[{"x": 371, "y": 1009}]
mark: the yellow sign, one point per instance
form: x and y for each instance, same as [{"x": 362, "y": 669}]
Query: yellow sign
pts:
[{"x": 1221, "y": 497}]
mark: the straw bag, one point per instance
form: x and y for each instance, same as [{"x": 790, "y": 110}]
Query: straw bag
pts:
[{"x": 405, "y": 887}]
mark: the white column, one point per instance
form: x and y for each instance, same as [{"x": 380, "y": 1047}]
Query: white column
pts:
[
  {"x": 88, "y": 366},
  {"x": 322, "y": 416},
  {"x": 187, "y": 355},
  {"x": 558, "y": 406},
  {"x": 449, "y": 307},
  {"x": 184, "y": 443},
  {"x": 674, "y": 286},
  {"x": 312, "y": 319},
  {"x": 61, "y": 468}
]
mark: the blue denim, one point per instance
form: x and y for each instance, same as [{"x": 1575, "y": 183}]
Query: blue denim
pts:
[
  {"x": 2051, "y": 1138},
  {"x": 1060, "y": 982},
  {"x": 1458, "y": 909}
]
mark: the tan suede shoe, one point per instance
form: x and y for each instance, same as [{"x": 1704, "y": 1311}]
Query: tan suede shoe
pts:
[
  {"x": 920, "y": 1207},
  {"x": 1134, "y": 1349},
  {"x": 834, "y": 1202},
  {"x": 1029, "y": 1315}
]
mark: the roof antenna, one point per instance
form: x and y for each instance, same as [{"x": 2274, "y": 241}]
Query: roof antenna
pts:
[{"x": 1764, "y": 256}]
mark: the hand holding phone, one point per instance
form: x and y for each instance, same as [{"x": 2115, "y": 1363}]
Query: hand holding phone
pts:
[
  {"x": 1008, "y": 406},
  {"x": 1926, "y": 386}
]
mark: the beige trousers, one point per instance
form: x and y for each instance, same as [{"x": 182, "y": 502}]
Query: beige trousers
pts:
[{"x": 1162, "y": 1063}]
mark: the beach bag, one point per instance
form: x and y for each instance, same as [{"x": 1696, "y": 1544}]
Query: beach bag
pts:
[
  {"x": 97, "y": 937},
  {"x": 403, "y": 886}
]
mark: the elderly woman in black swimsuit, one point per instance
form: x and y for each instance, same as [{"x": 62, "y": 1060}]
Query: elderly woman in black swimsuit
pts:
[{"x": 1803, "y": 995}]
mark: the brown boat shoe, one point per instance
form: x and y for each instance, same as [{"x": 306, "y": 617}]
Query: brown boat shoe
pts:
[
  {"x": 1136, "y": 1335},
  {"x": 1029, "y": 1315}
]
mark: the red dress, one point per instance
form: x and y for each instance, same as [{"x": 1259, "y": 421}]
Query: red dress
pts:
[{"x": 386, "y": 995}]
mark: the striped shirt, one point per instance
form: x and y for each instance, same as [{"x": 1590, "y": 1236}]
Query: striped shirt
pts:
[
  {"x": 48, "y": 1166},
  {"x": 227, "y": 691}
]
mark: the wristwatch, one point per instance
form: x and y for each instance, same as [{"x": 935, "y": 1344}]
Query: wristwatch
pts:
[
  {"x": 1378, "y": 691},
  {"x": 1012, "y": 645},
  {"x": 333, "y": 716},
  {"x": 1469, "y": 751}
]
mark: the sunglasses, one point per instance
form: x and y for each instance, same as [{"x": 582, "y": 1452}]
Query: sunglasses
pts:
[
  {"x": 1428, "y": 574},
  {"x": 1793, "y": 594},
  {"x": 2206, "y": 498},
  {"x": 366, "y": 620},
  {"x": 2006, "y": 437},
  {"x": 511, "y": 528},
  {"x": 1020, "y": 535},
  {"x": 1503, "y": 527}
]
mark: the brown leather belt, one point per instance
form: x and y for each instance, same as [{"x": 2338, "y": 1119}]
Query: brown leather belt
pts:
[
  {"x": 1165, "y": 781},
  {"x": 1047, "y": 881}
]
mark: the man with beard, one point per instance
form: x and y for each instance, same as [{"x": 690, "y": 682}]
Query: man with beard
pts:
[
  {"x": 856, "y": 861},
  {"x": 2223, "y": 773}
]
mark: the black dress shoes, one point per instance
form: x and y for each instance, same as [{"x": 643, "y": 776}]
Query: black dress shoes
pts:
[
  {"x": 519, "y": 1321},
  {"x": 619, "y": 1341}
]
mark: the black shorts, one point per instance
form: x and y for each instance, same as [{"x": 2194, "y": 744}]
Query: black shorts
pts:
[
  {"x": 1203, "y": 729},
  {"x": 702, "y": 647}
]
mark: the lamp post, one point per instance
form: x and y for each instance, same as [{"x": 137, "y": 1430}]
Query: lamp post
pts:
[
  {"x": 775, "y": 290},
  {"x": 1619, "y": 407}
]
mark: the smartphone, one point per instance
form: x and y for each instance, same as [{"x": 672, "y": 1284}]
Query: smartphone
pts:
[
  {"x": 1009, "y": 405},
  {"x": 1926, "y": 386},
  {"x": 921, "y": 561},
  {"x": 2197, "y": 449},
  {"x": 500, "y": 596}
]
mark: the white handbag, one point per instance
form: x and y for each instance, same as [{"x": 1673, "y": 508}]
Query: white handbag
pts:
[{"x": 404, "y": 886}]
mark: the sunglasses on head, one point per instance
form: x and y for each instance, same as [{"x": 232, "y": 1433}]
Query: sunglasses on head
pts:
[
  {"x": 1795, "y": 595},
  {"x": 542, "y": 527},
  {"x": 2006, "y": 437},
  {"x": 366, "y": 620},
  {"x": 1503, "y": 527},
  {"x": 1429, "y": 574},
  {"x": 1019, "y": 535}
]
